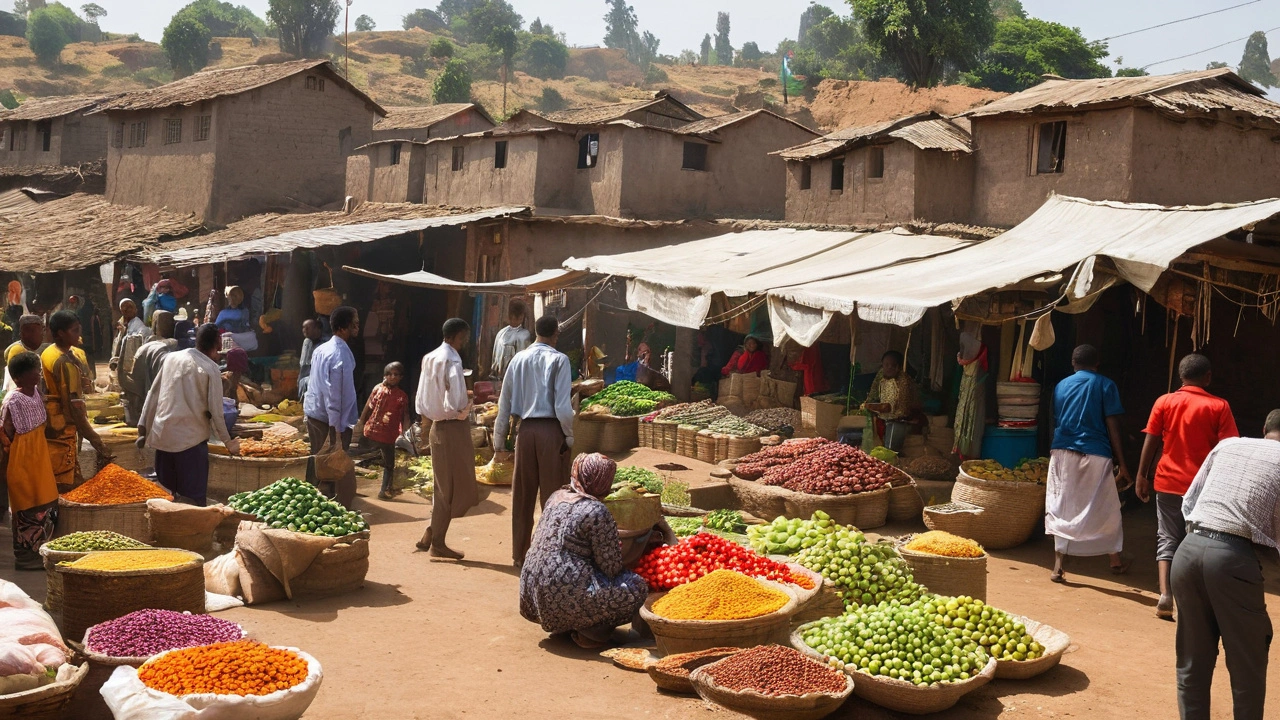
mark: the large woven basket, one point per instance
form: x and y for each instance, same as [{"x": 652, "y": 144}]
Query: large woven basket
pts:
[
  {"x": 93, "y": 596},
  {"x": 865, "y": 510},
  {"x": 679, "y": 682},
  {"x": 705, "y": 445},
  {"x": 1013, "y": 509},
  {"x": 129, "y": 519},
  {"x": 764, "y": 501},
  {"x": 687, "y": 440},
  {"x": 664, "y": 434},
  {"x": 230, "y": 475},
  {"x": 645, "y": 434},
  {"x": 619, "y": 434},
  {"x": 811, "y": 706},
  {"x": 124, "y": 450},
  {"x": 586, "y": 434},
  {"x": 955, "y": 518},
  {"x": 742, "y": 446},
  {"x": 948, "y": 575},
  {"x": 53, "y": 580},
  {"x": 1054, "y": 642},
  {"x": 900, "y": 695},
  {"x": 681, "y": 636},
  {"x": 42, "y": 703},
  {"x": 721, "y": 447},
  {"x": 905, "y": 503}
]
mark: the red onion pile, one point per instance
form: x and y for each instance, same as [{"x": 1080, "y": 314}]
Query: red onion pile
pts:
[
  {"x": 144, "y": 633},
  {"x": 754, "y": 466},
  {"x": 831, "y": 469}
]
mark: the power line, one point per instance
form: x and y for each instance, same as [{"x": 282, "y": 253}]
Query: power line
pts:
[
  {"x": 1201, "y": 52},
  {"x": 1175, "y": 22}
]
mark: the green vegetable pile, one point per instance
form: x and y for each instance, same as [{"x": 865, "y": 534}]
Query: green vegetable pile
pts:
[
  {"x": 95, "y": 540},
  {"x": 725, "y": 520},
  {"x": 295, "y": 505},
  {"x": 633, "y": 475},
  {"x": 676, "y": 493},
  {"x": 1003, "y": 637},
  {"x": 866, "y": 573},
  {"x": 785, "y": 536},
  {"x": 628, "y": 398},
  {"x": 733, "y": 425},
  {"x": 684, "y": 527},
  {"x": 884, "y": 454}
]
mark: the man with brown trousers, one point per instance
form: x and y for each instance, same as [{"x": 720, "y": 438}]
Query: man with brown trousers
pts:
[{"x": 537, "y": 390}]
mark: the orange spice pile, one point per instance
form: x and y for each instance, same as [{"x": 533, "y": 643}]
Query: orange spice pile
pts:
[
  {"x": 113, "y": 485},
  {"x": 244, "y": 667},
  {"x": 804, "y": 581}
]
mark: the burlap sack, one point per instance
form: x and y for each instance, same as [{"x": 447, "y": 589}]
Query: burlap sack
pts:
[
  {"x": 335, "y": 571},
  {"x": 286, "y": 555},
  {"x": 222, "y": 575},
  {"x": 175, "y": 525},
  {"x": 257, "y": 584}
]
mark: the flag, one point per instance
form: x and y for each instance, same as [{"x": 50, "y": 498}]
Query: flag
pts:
[{"x": 791, "y": 85}]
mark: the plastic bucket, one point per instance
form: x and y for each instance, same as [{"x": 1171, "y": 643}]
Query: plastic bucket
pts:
[
  {"x": 895, "y": 433},
  {"x": 1008, "y": 446}
]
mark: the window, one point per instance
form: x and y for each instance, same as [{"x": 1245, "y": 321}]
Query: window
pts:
[
  {"x": 203, "y": 123},
  {"x": 457, "y": 158},
  {"x": 44, "y": 129},
  {"x": 395, "y": 153},
  {"x": 837, "y": 174},
  {"x": 172, "y": 131},
  {"x": 588, "y": 151},
  {"x": 1051, "y": 145},
  {"x": 138, "y": 134},
  {"x": 806, "y": 176},
  {"x": 117, "y": 137},
  {"x": 499, "y": 154},
  {"x": 875, "y": 162},
  {"x": 18, "y": 138},
  {"x": 315, "y": 83},
  {"x": 695, "y": 156}
]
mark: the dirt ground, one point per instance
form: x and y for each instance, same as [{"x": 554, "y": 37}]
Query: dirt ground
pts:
[{"x": 445, "y": 640}]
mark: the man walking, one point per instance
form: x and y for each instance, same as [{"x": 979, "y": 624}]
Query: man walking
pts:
[
  {"x": 145, "y": 363},
  {"x": 1217, "y": 575},
  {"x": 537, "y": 390},
  {"x": 312, "y": 334},
  {"x": 442, "y": 399},
  {"x": 178, "y": 420},
  {"x": 1082, "y": 500},
  {"x": 1185, "y": 425},
  {"x": 330, "y": 405}
]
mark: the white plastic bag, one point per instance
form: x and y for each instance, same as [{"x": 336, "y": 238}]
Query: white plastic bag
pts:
[{"x": 129, "y": 699}]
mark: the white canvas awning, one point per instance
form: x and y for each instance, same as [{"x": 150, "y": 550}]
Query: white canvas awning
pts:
[
  {"x": 538, "y": 282},
  {"x": 676, "y": 283},
  {"x": 1142, "y": 240}
]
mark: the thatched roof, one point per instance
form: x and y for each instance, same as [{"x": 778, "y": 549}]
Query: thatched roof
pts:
[
  {"x": 419, "y": 117},
  {"x": 927, "y": 131},
  {"x": 52, "y": 107},
  {"x": 78, "y": 231},
  {"x": 224, "y": 82},
  {"x": 662, "y": 104},
  {"x": 720, "y": 122}
]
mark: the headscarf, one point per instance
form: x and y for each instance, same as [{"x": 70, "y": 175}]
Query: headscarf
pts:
[
  {"x": 237, "y": 360},
  {"x": 165, "y": 284},
  {"x": 592, "y": 475}
]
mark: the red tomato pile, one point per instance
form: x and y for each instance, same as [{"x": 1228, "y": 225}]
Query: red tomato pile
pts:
[{"x": 695, "y": 556}]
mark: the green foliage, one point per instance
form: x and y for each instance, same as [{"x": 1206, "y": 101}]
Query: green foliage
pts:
[
  {"x": 1215, "y": 65},
  {"x": 13, "y": 24},
  {"x": 416, "y": 66},
  {"x": 1005, "y": 9},
  {"x": 7, "y": 100},
  {"x": 704, "y": 52},
  {"x": 503, "y": 39},
  {"x": 454, "y": 84},
  {"x": 93, "y": 11},
  {"x": 304, "y": 25},
  {"x": 364, "y": 23},
  {"x": 811, "y": 16},
  {"x": 723, "y": 48},
  {"x": 750, "y": 52},
  {"x": 537, "y": 27},
  {"x": 49, "y": 30},
  {"x": 1131, "y": 72},
  {"x": 545, "y": 57},
  {"x": 423, "y": 19},
  {"x": 622, "y": 30},
  {"x": 1025, "y": 49},
  {"x": 551, "y": 100},
  {"x": 474, "y": 21},
  {"x": 482, "y": 61},
  {"x": 224, "y": 19},
  {"x": 1255, "y": 64},
  {"x": 925, "y": 36},
  {"x": 186, "y": 42},
  {"x": 655, "y": 74},
  {"x": 441, "y": 48}
]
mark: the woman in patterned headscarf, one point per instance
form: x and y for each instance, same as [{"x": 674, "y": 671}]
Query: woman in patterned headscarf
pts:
[{"x": 573, "y": 580}]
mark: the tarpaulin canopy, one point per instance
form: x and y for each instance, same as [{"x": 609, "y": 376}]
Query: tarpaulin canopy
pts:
[
  {"x": 538, "y": 282},
  {"x": 676, "y": 283},
  {"x": 1141, "y": 240}
]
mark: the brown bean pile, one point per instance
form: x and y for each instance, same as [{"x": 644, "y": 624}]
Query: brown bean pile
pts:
[
  {"x": 831, "y": 469},
  {"x": 753, "y": 466},
  {"x": 776, "y": 670}
]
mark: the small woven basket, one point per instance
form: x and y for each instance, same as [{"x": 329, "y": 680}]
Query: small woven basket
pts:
[
  {"x": 129, "y": 519},
  {"x": 948, "y": 575},
  {"x": 1013, "y": 509},
  {"x": 42, "y": 703},
  {"x": 811, "y": 706},
  {"x": 905, "y": 503},
  {"x": 1054, "y": 642}
]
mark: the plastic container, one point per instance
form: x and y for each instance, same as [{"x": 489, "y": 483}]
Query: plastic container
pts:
[
  {"x": 1008, "y": 446},
  {"x": 895, "y": 434}
]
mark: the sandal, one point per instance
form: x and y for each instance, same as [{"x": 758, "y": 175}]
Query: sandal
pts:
[
  {"x": 587, "y": 643},
  {"x": 425, "y": 543},
  {"x": 1058, "y": 577},
  {"x": 384, "y": 495}
]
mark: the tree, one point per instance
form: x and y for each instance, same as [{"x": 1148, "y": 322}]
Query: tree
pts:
[
  {"x": 546, "y": 57},
  {"x": 224, "y": 19},
  {"x": 504, "y": 40},
  {"x": 925, "y": 36},
  {"x": 811, "y": 16},
  {"x": 1005, "y": 9},
  {"x": 724, "y": 50},
  {"x": 473, "y": 21},
  {"x": 304, "y": 25},
  {"x": 537, "y": 27},
  {"x": 1026, "y": 48},
  {"x": 687, "y": 57},
  {"x": 93, "y": 11},
  {"x": 1215, "y": 65},
  {"x": 7, "y": 100},
  {"x": 622, "y": 30},
  {"x": 705, "y": 51},
  {"x": 1131, "y": 72},
  {"x": 551, "y": 100},
  {"x": 49, "y": 30},
  {"x": 441, "y": 48},
  {"x": 21, "y": 8},
  {"x": 364, "y": 23},
  {"x": 647, "y": 51},
  {"x": 750, "y": 52},
  {"x": 423, "y": 19},
  {"x": 1255, "y": 65},
  {"x": 13, "y": 24},
  {"x": 453, "y": 85},
  {"x": 450, "y": 10},
  {"x": 186, "y": 42}
]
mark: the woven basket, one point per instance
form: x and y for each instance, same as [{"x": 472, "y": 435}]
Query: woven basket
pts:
[
  {"x": 960, "y": 522},
  {"x": 820, "y": 417},
  {"x": 619, "y": 434},
  {"x": 586, "y": 434},
  {"x": 53, "y": 580},
  {"x": 948, "y": 575},
  {"x": 705, "y": 445},
  {"x": 1013, "y": 509},
  {"x": 687, "y": 440},
  {"x": 721, "y": 447},
  {"x": 811, "y": 706},
  {"x": 93, "y": 596},
  {"x": 123, "y": 448},
  {"x": 665, "y": 435},
  {"x": 129, "y": 519},
  {"x": 865, "y": 510},
  {"x": 764, "y": 501},
  {"x": 742, "y": 446},
  {"x": 682, "y": 636},
  {"x": 230, "y": 475},
  {"x": 900, "y": 695},
  {"x": 679, "y": 682},
  {"x": 42, "y": 703},
  {"x": 905, "y": 502},
  {"x": 645, "y": 434},
  {"x": 829, "y": 602},
  {"x": 1054, "y": 642}
]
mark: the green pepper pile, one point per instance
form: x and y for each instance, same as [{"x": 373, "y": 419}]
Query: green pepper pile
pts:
[
  {"x": 625, "y": 398},
  {"x": 725, "y": 520},
  {"x": 295, "y": 505}
]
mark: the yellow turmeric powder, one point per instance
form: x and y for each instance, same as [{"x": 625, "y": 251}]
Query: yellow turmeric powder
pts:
[
  {"x": 937, "y": 542},
  {"x": 720, "y": 595},
  {"x": 124, "y": 560}
]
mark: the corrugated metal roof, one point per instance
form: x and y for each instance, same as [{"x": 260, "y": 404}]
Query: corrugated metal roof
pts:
[
  {"x": 53, "y": 107},
  {"x": 422, "y": 117},
  {"x": 601, "y": 114},
  {"x": 714, "y": 124},
  {"x": 284, "y": 233},
  {"x": 940, "y": 134},
  {"x": 1190, "y": 92},
  {"x": 927, "y": 131},
  {"x": 223, "y": 82}
]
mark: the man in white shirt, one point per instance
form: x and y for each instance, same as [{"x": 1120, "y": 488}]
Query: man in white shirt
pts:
[
  {"x": 1232, "y": 511},
  {"x": 537, "y": 390},
  {"x": 182, "y": 413},
  {"x": 442, "y": 398},
  {"x": 511, "y": 339}
]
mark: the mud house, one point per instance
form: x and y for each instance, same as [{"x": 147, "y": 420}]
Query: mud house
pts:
[
  {"x": 915, "y": 168},
  {"x": 1192, "y": 138},
  {"x": 231, "y": 142},
  {"x": 430, "y": 121},
  {"x": 53, "y": 131}
]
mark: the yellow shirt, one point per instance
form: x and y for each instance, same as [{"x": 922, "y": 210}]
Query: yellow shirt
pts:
[{"x": 73, "y": 373}]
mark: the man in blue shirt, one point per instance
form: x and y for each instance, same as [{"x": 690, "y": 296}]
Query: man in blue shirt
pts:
[
  {"x": 1082, "y": 502},
  {"x": 330, "y": 403}
]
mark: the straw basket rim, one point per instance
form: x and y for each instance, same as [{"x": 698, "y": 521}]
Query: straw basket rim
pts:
[
  {"x": 195, "y": 561},
  {"x": 786, "y": 611},
  {"x": 46, "y": 692},
  {"x": 680, "y": 683},
  {"x": 1013, "y": 485},
  {"x": 120, "y": 506},
  {"x": 268, "y": 462},
  {"x": 752, "y": 703},
  {"x": 1054, "y": 641}
]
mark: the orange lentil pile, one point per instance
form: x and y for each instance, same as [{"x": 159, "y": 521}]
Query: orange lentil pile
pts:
[
  {"x": 804, "y": 581},
  {"x": 113, "y": 485},
  {"x": 244, "y": 667}
]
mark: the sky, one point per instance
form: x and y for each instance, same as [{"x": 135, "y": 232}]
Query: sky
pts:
[{"x": 680, "y": 24}]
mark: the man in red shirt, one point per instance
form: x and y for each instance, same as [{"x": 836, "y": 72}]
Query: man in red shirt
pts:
[{"x": 1187, "y": 425}]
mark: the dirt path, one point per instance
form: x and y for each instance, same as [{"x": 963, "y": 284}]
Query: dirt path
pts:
[{"x": 445, "y": 640}]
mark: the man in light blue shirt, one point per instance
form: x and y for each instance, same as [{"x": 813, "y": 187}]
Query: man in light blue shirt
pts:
[{"x": 330, "y": 404}]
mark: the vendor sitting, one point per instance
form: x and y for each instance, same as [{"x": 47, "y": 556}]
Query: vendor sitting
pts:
[
  {"x": 893, "y": 396},
  {"x": 235, "y": 369},
  {"x": 573, "y": 580},
  {"x": 752, "y": 357}
]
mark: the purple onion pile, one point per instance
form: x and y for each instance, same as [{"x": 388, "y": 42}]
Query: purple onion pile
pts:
[{"x": 144, "y": 633}]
